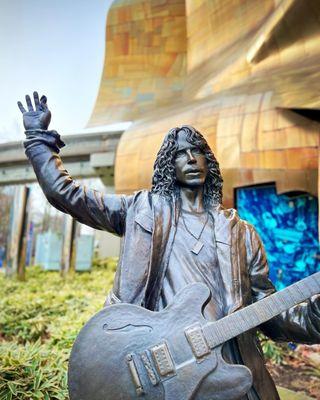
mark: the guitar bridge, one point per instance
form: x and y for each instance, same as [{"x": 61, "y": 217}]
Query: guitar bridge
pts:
[{"x": 197, "y": 341}]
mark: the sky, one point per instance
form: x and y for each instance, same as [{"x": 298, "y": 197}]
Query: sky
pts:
[{"x": 56, "y": 47}]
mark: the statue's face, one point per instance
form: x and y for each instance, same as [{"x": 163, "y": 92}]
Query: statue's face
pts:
[{"x": 190, "y": 163}]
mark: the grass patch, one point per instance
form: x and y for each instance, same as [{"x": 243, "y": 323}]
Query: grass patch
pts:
[{"x": 39, "y": 321}]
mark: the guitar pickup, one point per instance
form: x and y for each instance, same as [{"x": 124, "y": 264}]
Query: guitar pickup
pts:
[
  {"x": 163, "y": 360},
  {"x": 197, "y": 341}
]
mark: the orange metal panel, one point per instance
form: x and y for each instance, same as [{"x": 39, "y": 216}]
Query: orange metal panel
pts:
[{"x": 233, "y": 69}]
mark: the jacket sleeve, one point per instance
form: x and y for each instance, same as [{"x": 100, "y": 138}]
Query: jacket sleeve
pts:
[
  {"x": 301, "y": 323},
  {"x": 90, "y": 207}
]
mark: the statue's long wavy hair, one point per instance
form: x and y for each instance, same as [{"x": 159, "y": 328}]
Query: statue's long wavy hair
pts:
[{"x": 164, "y": 176}]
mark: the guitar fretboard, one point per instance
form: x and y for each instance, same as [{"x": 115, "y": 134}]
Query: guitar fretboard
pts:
[{"x": 220, "y": 331}]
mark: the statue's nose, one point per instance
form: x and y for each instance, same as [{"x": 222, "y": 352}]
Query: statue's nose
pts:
[{"x": 190, "y": 156}]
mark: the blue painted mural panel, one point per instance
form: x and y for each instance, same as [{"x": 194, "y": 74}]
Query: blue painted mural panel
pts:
[{"x": 288, "y": 227}]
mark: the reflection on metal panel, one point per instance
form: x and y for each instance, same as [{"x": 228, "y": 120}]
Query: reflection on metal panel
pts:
[{"x": 288, "y": 228}]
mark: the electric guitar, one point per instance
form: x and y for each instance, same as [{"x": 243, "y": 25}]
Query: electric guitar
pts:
[{"x": 126, "y": 352}]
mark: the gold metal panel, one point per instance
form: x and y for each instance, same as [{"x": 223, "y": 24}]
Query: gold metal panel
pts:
[{"x": 233, "y": 69}]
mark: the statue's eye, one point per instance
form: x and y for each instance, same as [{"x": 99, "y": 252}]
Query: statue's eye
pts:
[
  {"x": 197, "y": 151},
  {"x": 180, "y": 153}
]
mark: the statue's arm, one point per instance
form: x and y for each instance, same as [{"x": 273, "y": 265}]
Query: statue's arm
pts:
[
  {"x": 300, "y": 323},
  {"x": 91, "y": 207}
]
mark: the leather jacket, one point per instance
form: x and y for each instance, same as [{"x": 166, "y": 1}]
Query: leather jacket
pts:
[{"x": 147, "y": 222}]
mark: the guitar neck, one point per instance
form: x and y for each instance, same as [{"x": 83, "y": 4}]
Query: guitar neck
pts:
[{"x": 218, "y": 332}]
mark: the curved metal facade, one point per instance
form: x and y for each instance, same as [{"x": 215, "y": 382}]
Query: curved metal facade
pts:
[{"x": 237, "y": 70}]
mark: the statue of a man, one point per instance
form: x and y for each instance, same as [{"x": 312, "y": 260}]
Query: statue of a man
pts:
[{"x": 176, "y": 234}]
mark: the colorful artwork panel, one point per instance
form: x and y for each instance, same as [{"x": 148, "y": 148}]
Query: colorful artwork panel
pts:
[{"x": 288, "y": 227}]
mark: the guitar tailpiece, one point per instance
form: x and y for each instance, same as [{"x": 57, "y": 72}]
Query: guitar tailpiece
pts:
[{"x": 135, "y": 375}]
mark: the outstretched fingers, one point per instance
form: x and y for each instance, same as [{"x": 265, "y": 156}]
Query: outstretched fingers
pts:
[
  {"x": 29, "y": 104},
  {"x": 43, "y": 103},
  {"x": 21, "y": 108},
  {"x": 36, "y": 100},
  {"x": 40, "y": 105}
]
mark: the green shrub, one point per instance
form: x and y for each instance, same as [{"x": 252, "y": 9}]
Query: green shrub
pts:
[
  {"x": 39, "y": 321},
  {"x": 32, "y": 371},
  {"x": 275, "y": 352},
  {"x": 32, "y": 310},
  {"x": 28, "y": 321},
  {"x": 108, "y": 263}
]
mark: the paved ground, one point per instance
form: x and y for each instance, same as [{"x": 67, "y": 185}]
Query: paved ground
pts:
[{"x": 286, "y": 394}]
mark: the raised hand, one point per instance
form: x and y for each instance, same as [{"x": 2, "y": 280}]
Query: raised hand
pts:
[{"x": 37, "y": 117}]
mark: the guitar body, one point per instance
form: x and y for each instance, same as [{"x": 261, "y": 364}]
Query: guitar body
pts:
[{"x": 126, "y": 352}]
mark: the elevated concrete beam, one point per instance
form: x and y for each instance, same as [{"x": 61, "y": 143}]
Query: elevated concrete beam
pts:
[
  {"x": 20, "y": 174},
  {"x": 85, "y": 156}
]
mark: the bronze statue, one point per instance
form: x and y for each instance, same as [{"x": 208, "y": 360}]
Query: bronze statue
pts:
[{"x": 175, "y": 235}]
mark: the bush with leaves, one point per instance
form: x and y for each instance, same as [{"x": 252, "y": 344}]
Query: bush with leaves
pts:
[
  {"x": 32, "y": 371},
  {"x": 39, "y": 321}
]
